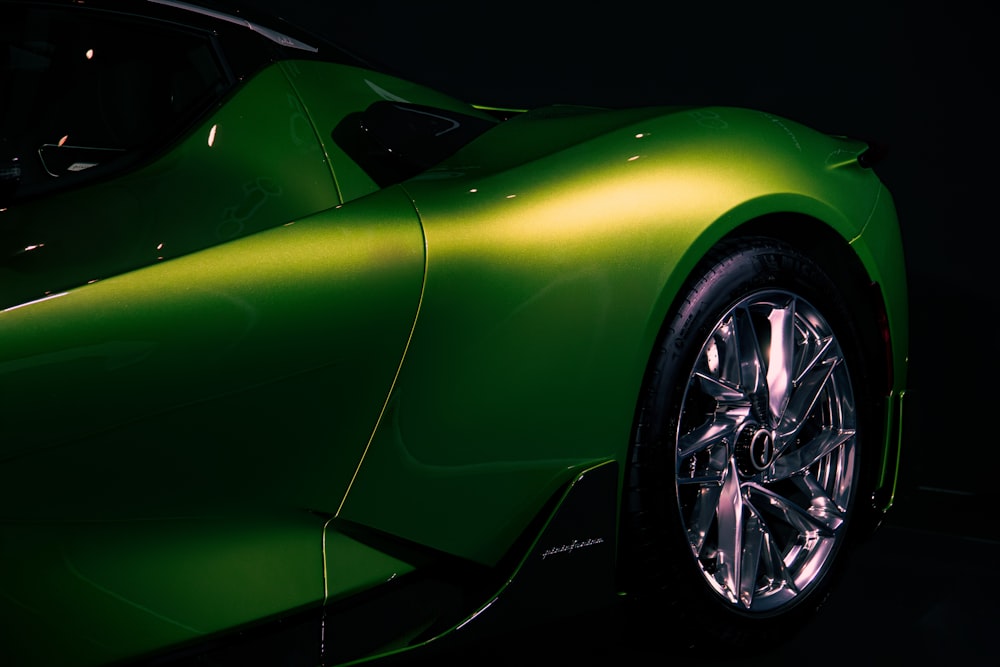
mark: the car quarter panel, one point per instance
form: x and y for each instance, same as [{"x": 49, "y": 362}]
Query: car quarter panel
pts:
[{"x": 547, "y": 283}]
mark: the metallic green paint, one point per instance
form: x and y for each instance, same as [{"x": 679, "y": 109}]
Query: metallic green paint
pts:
[
  {"x": 547, "y": 283},
  {"x": 173, "y": 580},
  {"x": 155, "y": 398}
]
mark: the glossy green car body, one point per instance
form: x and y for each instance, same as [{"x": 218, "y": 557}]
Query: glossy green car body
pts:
[{"x": 243, "y": 379}]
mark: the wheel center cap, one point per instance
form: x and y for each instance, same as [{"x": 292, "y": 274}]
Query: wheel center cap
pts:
[
  {"x": 755, "y": 450},
  {"x": 761, "y": 449}
]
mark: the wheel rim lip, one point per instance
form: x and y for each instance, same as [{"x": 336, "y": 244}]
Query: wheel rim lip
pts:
[{"x": 805, "y": 554}]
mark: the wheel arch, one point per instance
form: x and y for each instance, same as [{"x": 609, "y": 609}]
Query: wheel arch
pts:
[
  {"x": 822, "y": 241},
  {"x": 853, "y": 297},
  {"x": 840, "y": 260},
  {"x": 837, "y": 257}
]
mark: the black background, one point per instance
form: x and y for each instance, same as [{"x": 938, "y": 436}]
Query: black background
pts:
[{"x": 916, "y": 78}]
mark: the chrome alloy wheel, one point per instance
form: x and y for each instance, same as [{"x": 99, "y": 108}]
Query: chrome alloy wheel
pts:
[{"x": 765, "y": 460}]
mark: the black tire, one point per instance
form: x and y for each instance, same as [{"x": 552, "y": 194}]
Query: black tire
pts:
[{"x": 746, "y": 465}]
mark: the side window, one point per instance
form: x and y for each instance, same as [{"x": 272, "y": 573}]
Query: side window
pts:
[{"x": 85, "y": 91}]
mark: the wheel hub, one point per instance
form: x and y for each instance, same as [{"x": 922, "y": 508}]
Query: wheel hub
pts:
[{"x": 755, "y": 450}]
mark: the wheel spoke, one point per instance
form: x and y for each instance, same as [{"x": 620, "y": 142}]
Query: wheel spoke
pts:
[
  {"x": 730, "y": 515},
  {"x": 781, "y": 360},
  {"x": 809, "y": 387},
  {"x": 819, "y": 517},
  {"x": 704, "y": 437},
  {"x": 718, "y": 389},
  {"x": 749, "y": 559},
  {"x": 703, "y": 515},
  {"x": 823, "y": 510},
  {"x": 793, "y": 461},
  {"x": 752, "y": 359},
  {"x": 704, "y": 464}
]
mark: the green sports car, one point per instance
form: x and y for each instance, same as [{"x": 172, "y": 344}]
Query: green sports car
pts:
[{"x": 295, "y": 349}]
